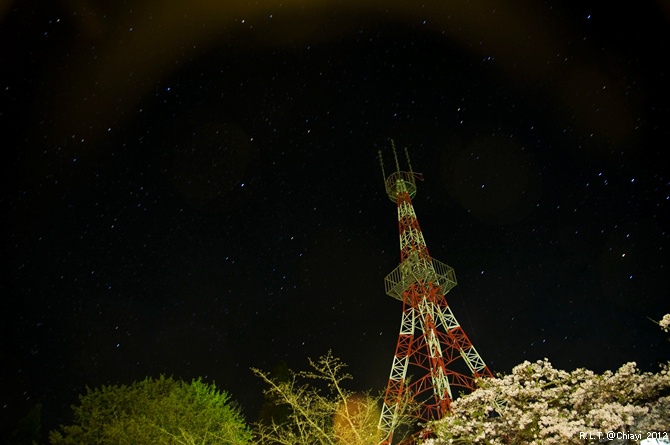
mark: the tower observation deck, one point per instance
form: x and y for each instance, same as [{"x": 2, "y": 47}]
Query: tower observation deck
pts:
[{"x": 432, "y": 346}]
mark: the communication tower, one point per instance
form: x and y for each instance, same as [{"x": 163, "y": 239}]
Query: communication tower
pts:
[{"x": 431, "y": 344}]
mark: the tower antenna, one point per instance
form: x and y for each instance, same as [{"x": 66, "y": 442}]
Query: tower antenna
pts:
[
  {"x": 409, "y": 164},
  {"x": 395, "y": 156},
  {"x": 381, "y": 163}
]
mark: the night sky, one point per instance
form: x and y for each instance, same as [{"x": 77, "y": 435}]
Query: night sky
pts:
[{"x": 195, "y": 190}]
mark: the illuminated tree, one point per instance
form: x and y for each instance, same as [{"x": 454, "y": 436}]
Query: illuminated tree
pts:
[
  {"x": 321, "y": 411},
  {"x": 155, "y": 411},
  {"x": 539, "y": 404}
]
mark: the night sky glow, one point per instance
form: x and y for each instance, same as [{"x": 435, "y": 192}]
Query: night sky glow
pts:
[{"x": 195, "y": 190}]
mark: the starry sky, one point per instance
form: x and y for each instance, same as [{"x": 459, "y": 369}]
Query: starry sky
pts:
[{"x": 193, "y": 188}]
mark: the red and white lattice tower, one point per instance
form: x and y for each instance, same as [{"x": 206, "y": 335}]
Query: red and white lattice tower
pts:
[{"x": 432, "y": 345}]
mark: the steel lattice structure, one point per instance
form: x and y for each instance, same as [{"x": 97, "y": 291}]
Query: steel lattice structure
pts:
[{"x": 431, "y": 341}]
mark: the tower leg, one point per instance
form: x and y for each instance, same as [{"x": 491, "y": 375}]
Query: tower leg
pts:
[{"x": 394, "y": 396}]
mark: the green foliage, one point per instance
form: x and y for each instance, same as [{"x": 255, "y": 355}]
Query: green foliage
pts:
[{"x": 155, "y": 411}]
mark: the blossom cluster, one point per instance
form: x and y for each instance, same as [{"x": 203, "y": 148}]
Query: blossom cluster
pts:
[
  {"x": 537, "y": 404},
  {"x": 665, "y": 323}
]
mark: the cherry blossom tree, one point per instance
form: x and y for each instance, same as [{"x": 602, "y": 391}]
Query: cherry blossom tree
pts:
[{"x": 537, "y": 404}]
